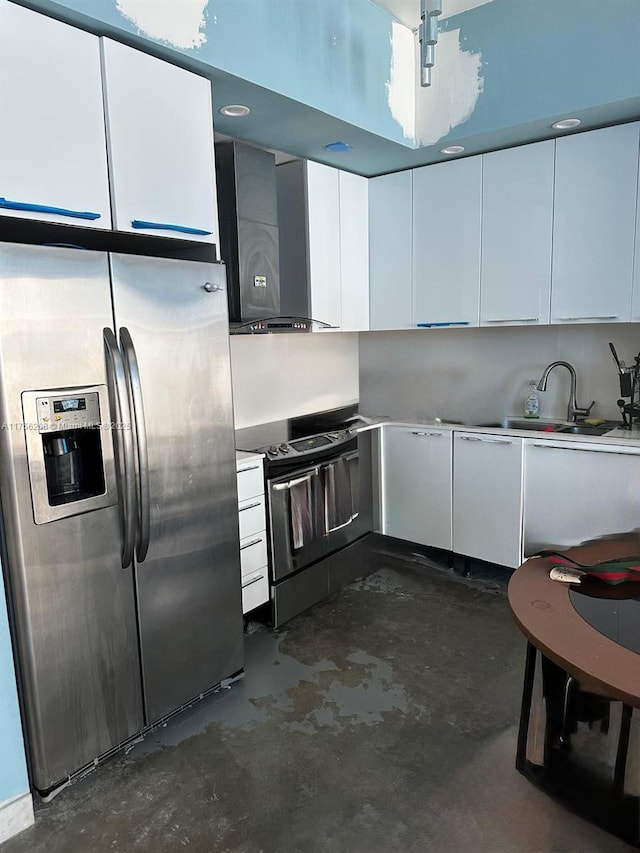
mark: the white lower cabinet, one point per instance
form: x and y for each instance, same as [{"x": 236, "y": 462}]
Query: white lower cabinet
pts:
[
  {"x": 575, "y": 492},
  {"x": 416, "y": 485},
  {"x": 487, "y": 498},
  {"x": 501, "y": 498},
  {"x": 253, "y": 535}
]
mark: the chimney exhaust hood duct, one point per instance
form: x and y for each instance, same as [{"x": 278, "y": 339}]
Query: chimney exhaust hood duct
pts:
[{"x": 249, "y": 243}]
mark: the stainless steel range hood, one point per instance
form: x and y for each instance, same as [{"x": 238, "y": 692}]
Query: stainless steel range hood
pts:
[{"x": 249, "y": 242}]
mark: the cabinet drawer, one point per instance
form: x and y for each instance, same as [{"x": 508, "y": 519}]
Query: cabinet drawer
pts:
[
  {"x": 255, "y": 591},
  {"x": 251, "y": 516},
  {"x": 250, "y": 480},
  {"x": 253, "y": 553}
]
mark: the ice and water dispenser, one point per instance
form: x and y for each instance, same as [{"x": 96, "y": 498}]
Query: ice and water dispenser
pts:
[
  {"x": 69, "y": 451},
  {"x": 72, "y": 451}
]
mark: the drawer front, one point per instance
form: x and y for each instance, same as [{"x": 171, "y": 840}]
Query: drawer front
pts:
[
  {"x": 253, "y": 553},
  {"x": 255, "y": 591},
  {"x": 250, "y": 480},
  {"x": 251, "y": 516}
]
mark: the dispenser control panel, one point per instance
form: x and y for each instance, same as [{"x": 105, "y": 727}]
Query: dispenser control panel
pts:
[{"x": 68, "y": 412}]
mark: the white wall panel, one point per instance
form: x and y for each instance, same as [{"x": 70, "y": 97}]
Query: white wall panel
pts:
[{"x": 277, "y": 376}]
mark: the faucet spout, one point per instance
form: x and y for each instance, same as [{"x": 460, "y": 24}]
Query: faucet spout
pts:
[{"x": 573, "y": 410}]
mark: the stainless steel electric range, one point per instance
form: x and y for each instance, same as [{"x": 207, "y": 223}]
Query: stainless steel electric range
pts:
[{"x": 313, "y": 501}]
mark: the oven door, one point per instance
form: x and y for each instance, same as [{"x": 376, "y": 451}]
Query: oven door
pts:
[
  {"x": 296, "y": 521},
  {"x": 341, "y": 500}
]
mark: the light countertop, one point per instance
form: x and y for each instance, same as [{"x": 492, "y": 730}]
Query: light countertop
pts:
[
  {"x": 247, "y": 456},
  {"x": 619, "y": 436}
]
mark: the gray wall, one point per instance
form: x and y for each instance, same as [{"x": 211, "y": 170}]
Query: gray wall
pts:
[{"x": 478, "y": 375}]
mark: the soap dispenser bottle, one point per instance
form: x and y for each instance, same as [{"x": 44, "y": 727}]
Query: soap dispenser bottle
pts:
[{"x": 532, "y": 400}]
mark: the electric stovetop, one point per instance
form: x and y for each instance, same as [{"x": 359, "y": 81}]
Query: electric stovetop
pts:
[
  {"x": 302, "y": 439},
  {"x": 289, "y": 429}
]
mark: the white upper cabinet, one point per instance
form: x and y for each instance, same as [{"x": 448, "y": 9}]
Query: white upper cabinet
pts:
[
  {"x": 390, "y": 267},
  {"x": 53, "y": 159},
  {"x": 160, "y": 141},
  {"x": 594, "y": 223},
  {"x": 323, "y": 234},
  {"x": 447, "y": 205},
  {"x": 323, "y": 216},
  {"x": 354, "y": 252},
  {"x": 517, "y": 223}
]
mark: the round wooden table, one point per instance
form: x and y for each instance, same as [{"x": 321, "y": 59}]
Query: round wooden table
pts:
[{"x": 579, "y": 736}]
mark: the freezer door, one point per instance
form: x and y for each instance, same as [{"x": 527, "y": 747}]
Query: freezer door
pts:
[
  {"x": 188, "y": 585},
  {"x": 72, "y": 603}
]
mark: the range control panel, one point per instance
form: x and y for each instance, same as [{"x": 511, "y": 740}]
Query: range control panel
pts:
[
  {"x": 306, "y": 446},
  {"x": 68, "y": 412}
]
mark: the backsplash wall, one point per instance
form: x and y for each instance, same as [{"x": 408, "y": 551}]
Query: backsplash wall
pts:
[
  {"x": 278, "y": 376},
  {"x": 479, "y": 375}
]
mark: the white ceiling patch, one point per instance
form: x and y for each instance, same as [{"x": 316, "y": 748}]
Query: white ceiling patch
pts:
[
  {"x": 451, "y": 99},
  {"x": 456, "y": 7},
  {"x": 180, "y": 23},
  {"x": 401, "y": 88}
]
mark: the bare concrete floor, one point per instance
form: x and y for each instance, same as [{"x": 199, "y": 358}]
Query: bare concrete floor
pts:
[{"x": 382, "y": 720}]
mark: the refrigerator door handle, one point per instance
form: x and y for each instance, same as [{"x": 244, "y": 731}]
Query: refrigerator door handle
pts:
[
  {"x": 124, "y": 443},
  {"x": 138, "y": 421}
]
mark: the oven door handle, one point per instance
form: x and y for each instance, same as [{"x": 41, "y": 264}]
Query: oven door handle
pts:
[
  {"x": 331, "y": 494},
  {"x": 278, "y": 487}
]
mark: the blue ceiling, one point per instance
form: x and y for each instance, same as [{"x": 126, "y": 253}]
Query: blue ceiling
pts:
[{"x": 318, "y": 71}]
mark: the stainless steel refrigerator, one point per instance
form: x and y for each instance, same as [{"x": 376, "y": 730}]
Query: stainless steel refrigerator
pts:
[{"x": 118, "y": 494}]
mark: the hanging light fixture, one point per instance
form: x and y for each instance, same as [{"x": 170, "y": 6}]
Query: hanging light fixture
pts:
[{"x": 428, "y": 34}]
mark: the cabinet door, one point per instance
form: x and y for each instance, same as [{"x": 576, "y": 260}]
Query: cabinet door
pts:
[
  {"x": 517, "y": 221},
  {"x": 487, "y": 498},
  {"x": 594, "y": 222},
  {"x": 161, "y": 155},
  {"x": 576, "y": 492},
  {"x": 53, "y": 157},
  {"x": 416, "y": 485},
  {"x": 323, "y": 235},
  {"x": 390, "y": 266},
  {"x": 354, "y": 252},
  {"x": 446, "y": 242}
]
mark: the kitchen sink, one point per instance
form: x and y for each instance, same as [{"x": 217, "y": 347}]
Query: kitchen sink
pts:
[
  {"x": 583, "y": 429},
  {"x": 533, "y": 424},
  {"x": 561, "y": 427}
]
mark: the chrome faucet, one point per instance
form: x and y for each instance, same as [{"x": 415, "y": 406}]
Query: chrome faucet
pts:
[{"x": 573, "y": 409}]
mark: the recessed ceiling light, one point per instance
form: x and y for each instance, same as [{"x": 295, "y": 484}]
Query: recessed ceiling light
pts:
[
  {"x": 235, "y": 110},
  {"x": 452, "y": 149},
  {"x": 338, "y": 146},
  {"x": 566, "y": 124}
]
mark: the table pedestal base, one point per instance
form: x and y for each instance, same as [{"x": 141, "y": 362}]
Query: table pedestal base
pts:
[{"x": 580, "y": 747}]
